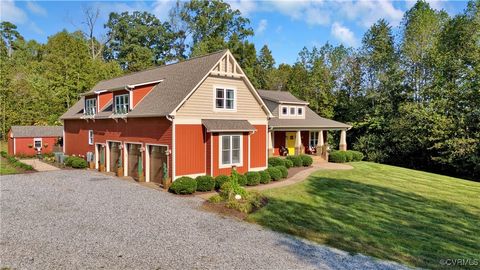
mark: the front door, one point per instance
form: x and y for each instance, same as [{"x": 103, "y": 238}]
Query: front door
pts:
[
  {"x": 134, "y": 161},
  {"x": 290, "y": 138},
  {"x": 158, "y": 163}
]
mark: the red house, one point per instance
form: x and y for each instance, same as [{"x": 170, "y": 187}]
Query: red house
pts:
[
  {"x": 30, "y": 140},
  {"x": 197, "y": 117}
]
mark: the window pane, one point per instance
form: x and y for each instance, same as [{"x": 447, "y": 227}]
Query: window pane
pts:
[
  {"x": 229, "y": 104},
  {"x": 236, "y": 142},
  {"x": 284, "y": 110},
  {"x": 219, "y": 93},
  {"x": 225, "y": 142},
  {"x": 226, "y": 157},
  {"x": 38, "y": 144},
  {"x": 300, "y": 111},
  {"x": 236, "y": 156},
  {"x": 230, "y": 94},
  {"x": 219, "y": 103},
  {"x": 292, "y": 111}
]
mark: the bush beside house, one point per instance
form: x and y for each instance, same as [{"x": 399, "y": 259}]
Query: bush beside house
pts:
[{"x": 345, "y": 156}]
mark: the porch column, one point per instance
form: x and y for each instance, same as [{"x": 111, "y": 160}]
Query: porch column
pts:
[
  {"x": 270, "y": 143},
  {"x": 319, "y": 145},
  {"x": 298, "y": 143},
  {"x": 343, "y": 140}
]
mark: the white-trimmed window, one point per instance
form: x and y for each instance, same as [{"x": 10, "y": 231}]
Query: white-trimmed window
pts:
[
  {"x": 292, "y": 111},
  {"x": 300, "y": 111},
  {"x": 230, "y": 150},
  {"x": 313, "y": 138},
  {"x": 90, "y": 106},
  {"x": 37, "y": 143},
  {"x": 284, "y": 110},
  {"x": 122, "y": 104},
  {"x": 225, "y": 98},
  {"x": 90, "y": 137}
]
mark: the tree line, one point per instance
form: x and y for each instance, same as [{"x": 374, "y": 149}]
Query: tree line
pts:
[{"x": 412, "y": 94}]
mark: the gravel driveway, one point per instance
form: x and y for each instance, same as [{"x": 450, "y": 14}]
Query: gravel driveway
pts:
[{"x": 87, "y": 220}]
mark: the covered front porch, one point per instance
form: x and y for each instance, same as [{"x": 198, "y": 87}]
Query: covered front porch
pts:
[{"x": 296, "y": 141}]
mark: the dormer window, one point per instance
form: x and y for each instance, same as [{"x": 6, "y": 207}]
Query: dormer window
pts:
[
  {"x": 225, "y": 98},
  {"x": 292, "y": 111},
  {"x": 300, "y": 111},
  {"x": 122, "y": 104},
  {"x": 284, "y": 111},
  {"x": 90, "y": 106}
]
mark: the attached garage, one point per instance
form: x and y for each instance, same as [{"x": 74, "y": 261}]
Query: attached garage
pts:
[
  {"x": 134, "y": 161},
  {"x": 157, "y": 163},
  {"x": 114, "y": 156}
]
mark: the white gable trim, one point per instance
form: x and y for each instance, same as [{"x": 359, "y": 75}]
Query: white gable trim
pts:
[{"x": 236, "y": 68}]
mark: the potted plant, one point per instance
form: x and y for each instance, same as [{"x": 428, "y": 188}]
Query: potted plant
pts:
[
  {"x": 45, "y": 145},
  {"x": 120, "y": 167},
  {"x": 30, "y": 145},
  {"x": 91, "y": 165},
  {"x": 101, "y": 166}
]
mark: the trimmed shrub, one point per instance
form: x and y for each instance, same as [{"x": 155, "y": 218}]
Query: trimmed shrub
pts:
[
  {"x": 306, "y": 160},
  {"x": 296, "y": 160},
  {"x": 242, "y": 180},
  {"x": 274, "y": 173},
  {"x": 288, "y": 163},
  {"x": 205, "y": 183},
  {"x": 348, "y": 156},
  {"x": 220, "y": 180},
  {"x": 215, "y": 198},
  {"x": 79, "y": 163},
  {"x": 265, "y": 177},
  {"x": 283, "y": 170},
  {"x": 337, "y": 157},
  {"x": 276, "y": 161},
  {"x": 184, "y": 185},
  {"x": 253, "y": 178},
  {"x": 357, "y": 156},
  {"x": 68, "y": 161}
]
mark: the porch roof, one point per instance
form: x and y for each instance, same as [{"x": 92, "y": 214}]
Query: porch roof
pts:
[
  {"x": 219, "y": 125},
  {"x": 311, "y": 121}
]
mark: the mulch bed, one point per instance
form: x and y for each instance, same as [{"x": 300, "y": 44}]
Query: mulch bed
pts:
[{"x": 294, "y": 170}]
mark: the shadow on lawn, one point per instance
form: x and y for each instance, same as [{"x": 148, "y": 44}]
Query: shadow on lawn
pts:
[{"x": 377, "y": 221}]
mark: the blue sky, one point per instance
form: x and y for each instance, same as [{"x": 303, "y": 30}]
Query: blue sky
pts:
[{"x": 285, "y": 26}]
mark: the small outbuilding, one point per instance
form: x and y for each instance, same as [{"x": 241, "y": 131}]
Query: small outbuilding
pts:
[{"x": 31, "y": 140}]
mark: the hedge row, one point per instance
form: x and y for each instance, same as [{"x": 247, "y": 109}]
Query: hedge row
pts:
[
  {"x": 291, "y": 161},
  {"x": 75, "y": 162},
  {"x": 345, "y": 156},
  {"x": 15, "y": 162},
  {"x": 188, "y": 185}
]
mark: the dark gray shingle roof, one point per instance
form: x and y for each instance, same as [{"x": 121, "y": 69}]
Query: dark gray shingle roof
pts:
[
  {"x": 217, "y": 125},
  {"x": 280, "y": 96},
  {"x": 178, "y": 80},
  {"x": 37, "y": 131}
]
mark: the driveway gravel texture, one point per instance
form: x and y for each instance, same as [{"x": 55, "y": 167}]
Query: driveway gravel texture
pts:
[{"x": 87, "y": 220}]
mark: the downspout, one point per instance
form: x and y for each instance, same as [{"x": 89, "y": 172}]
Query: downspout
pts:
[{"x": 171, "y": 118}]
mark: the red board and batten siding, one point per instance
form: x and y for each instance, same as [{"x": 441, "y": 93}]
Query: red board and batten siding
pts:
[
  {"x": 258, "y": 147},
  {"x": 10, "y": 143},
  {"x": 140, "y": 92},
  {"x": 21, "y": 145},
  {"x": 135, "y": 130},
  {"x": 190, "y": 147},
  {"x": 104, "y": 99}
]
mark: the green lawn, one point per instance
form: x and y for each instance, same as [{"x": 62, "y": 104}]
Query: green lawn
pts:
[
  {"x": 6, "y": 168},
  {"x": 412, "y": 217}
]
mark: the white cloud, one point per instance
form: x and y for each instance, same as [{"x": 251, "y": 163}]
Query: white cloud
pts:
[
  {"x": 367, "y": 13},
  {"x": 310, "y": 11},
  {"x": 36, "y": 9},
  {"x": 262, "y": 26},
  {"x": 34, "y": 27},
  {"x": 11, "y": 13},
  {"x": 161, "y": 8},
  {"x": 343, "y": 34},
  {"x": 245, "y": 6}
]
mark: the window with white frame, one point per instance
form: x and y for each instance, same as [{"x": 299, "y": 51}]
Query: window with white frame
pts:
[
  {"x": 37, "y": 142},
  {"x": 300, "y": 111},
  {"x": 122, "y": 104},
  {"x": 225, "y": 98},
  {"x": 90, "y": 106},
  {"x": 284, "y": 110},
  {"x": 90, "y": 137},
  {"x": 231, "y": 150},
  {"x": 292, "y": 111},
  {"x": 313, "y": 138}
]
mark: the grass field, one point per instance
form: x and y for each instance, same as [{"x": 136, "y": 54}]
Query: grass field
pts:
[{"x": 412, "y": 217}]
